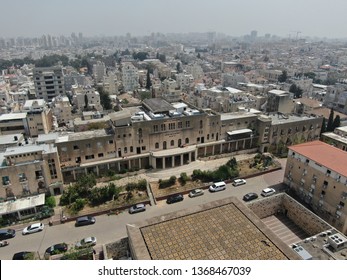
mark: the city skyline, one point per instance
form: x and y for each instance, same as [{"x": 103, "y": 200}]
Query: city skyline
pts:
[{"x": 297, "y": 19}]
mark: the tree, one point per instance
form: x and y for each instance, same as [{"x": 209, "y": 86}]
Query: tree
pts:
[
  {"x": 330, "y": 126},
  {"x": 105, "y": 99},
  {"x": 323, "y": 128},
  {"x": 199, "y": 56},
  {"x": 178, "y": 67},
  {"x": 296, "y": 90},
  {"x": 336, "y": 122},
  {"x": 148, "y": 82},
  {"x": 283, "y": 77},
  {"x": 86, "y": 102}
]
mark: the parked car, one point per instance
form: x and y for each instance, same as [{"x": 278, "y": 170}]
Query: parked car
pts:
[
  {"x": 267, "y": 192},
  {"x": 137, "y": 208},
  {"x": 196, "y": 192},
  {"x": 86, "y": 242},
  {"x": 7, "y": 233},
  {"x": 239, "y": 182},
  {"x": 250, "y": 196},
  {"x": 218, "y": 186},
  {"x": 174, "y": 198},
  {"x": 56, "y": 249},
  {"x": 33, "y": 228},
  {"x": 85, "y": 220},
  {"x": 25, "y": 255}
]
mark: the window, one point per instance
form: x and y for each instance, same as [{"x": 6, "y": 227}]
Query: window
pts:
[
  {"x": 143, "y": 148},
  {"x": 131, "y": 149},
  {"x": 125, "y": 150},
  {"x": 201, "y": 124},
  {"x": 110, "y": 141},
  {"x": 187, "y": 123},
  {"x": 89, "y": 157},
  {"x": 179, "y": 125},
  {"x": 139, "y": 132},
  {"x": 157, "y": 145},
  {"x": 187, "y": 140},
  {"x": 172, "y": 126},
  {"x": 88, "y": 145},
  {"x": 155, "y": 128},
  {"x": 101, "y": 155},
  {"x": 75, "y": 147},
  {"x": 163, "y": 127},
  {"x": 172, "y": 143}
]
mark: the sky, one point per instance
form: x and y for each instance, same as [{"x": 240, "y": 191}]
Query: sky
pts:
[{"x": 33, "y": 18}]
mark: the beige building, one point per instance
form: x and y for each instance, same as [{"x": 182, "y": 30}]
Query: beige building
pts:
[
  {"x": 62, "y": 109},
  {"x": 30, "y": 169},
  {"x": 317, "y": 173}
]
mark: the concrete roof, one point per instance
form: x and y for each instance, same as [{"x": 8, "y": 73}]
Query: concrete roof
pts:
[
  {"x": 157, "y": 105},
  {"x": 13, "y": 116},
  {"x": 22, "y": 204}
]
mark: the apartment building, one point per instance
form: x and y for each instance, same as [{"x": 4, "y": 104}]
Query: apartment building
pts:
[
  {"x": 279, "y": 101},
  {"x": 62, "y": 109},
  {"x": 130, "y": 77},
  {"x": 88, "y": 99},
  {"x": 30, "y": 169},
  {"x": 317, "y": 173},
  {"x": 99, "y": 71},
  {"x": 39, "y": 117},
  {"x": 49, "y": 82}
]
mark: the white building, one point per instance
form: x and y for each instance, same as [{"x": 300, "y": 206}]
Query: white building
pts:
[
  {"x": 93, "y": 97},
  {"x": 99, "y": 71},
  {"x": 62, "y": 109},
  {"x": 130, "y": 77}
]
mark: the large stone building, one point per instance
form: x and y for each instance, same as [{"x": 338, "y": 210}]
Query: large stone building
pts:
[{"x": 317, "y": 173}]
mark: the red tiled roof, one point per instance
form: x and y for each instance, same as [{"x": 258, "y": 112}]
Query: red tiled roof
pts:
[{"x": 333, "y": 158}]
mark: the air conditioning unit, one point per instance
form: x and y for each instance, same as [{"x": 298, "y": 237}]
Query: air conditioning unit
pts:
[{"x": 339, "y": 206}]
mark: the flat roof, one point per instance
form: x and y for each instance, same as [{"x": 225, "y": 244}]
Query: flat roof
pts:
[
  {"x": 278, "y": 92},
  {"x": 332, "y": 158},
  {"x": 239, "y": 131},
  {"x": 82, "y": 135},
  {"x": 157, "y": 105},
  {"x": 13, "y": 116},
  {"x": 223, "y": 229},
  {"x": 22, "y": 204},
  {"x": 334, "y": 136}
]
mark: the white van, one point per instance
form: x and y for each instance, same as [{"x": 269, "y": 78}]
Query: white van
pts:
[{"x": 219, "y": 186}]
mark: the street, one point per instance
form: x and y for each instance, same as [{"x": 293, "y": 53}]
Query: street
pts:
[{"x": 108, "y": 229}]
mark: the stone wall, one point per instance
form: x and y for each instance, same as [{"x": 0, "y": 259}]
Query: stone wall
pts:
[
  {"x": 303, "y": 217},
  {"x": 267, "y": 206},
  {"x": 297, "y": 213},
  {"x": 118, "y": 250}
]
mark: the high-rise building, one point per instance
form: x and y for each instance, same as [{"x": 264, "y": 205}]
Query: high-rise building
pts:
[{"x": 49, "y": 82}]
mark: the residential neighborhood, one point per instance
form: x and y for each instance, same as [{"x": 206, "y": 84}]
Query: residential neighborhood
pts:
[{"x": 95, "y": 129}]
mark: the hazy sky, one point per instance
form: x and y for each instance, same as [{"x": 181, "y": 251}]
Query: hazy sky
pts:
[{"x": 33, "y": 18}]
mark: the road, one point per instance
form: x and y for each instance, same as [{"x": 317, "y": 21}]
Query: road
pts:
[{"x": 108, "y": 229}]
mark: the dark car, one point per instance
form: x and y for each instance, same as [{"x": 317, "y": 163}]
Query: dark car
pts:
[
  {"x": 25, "y": 255},
  {"x": 85, "y": 220},
  {"x": 56, "y": 249},
  {"x": 250, "y": 196},
  {"x": 7, "y": 233},
  {"x": 174, "y": 198}
]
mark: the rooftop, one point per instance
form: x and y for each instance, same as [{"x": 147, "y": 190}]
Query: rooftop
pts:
[
  {"x": 157, "y": 105},
  {"x": 332, "y": 158},
  {"x": 223, "y": 229}
]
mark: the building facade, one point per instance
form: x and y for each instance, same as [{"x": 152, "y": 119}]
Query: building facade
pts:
[{"x": 317, "y": 173}]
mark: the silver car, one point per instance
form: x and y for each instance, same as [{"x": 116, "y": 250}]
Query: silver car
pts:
[
  {"x": 33, "y": 228},
  {"x": 196, "y": 192},
  {"x": 86, "y": 242},
  {"x": 137, "y": 208}
]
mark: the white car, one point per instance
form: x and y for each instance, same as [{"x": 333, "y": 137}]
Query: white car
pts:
[
  {"x": 86, "y": 242},
  {"x": 33, "y": 228},
  {"x": 268, "y": 192},
  {"x": 196, "y": 192},
  {"x": 239, "y": 182},
  {"x": 216, "y": 187}
]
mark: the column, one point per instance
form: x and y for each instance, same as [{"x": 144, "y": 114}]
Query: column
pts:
[
  {"x": 213, "y": 150},
  {"x": 181, "y": 158},
  {"x": 140, "y": 163},
  {"x": 163, "y": 160},
  {"x": 74, "y": 175},
  {"x": 97, "y": 170},
  {"x": 173, "y": 161},
  {"x": 129, "y": 164}
]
